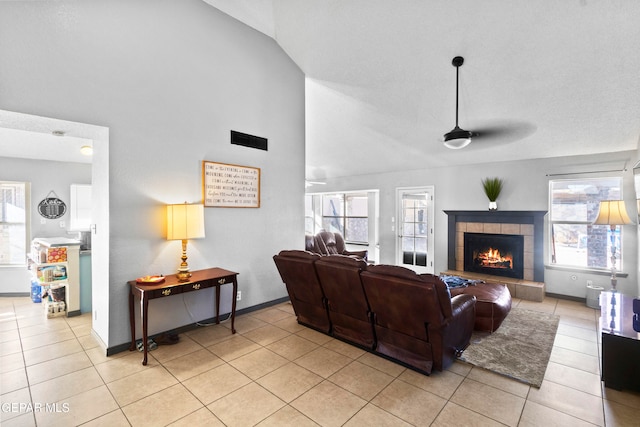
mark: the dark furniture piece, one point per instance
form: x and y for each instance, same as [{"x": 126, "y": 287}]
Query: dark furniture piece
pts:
[
  {"x": 392, "y": 311},
  {"x": 347, "y": 304},
  {"x": 416, "y": 321},
  {"x": 330, "y": 243},
  {"x": 493, "y": 303},
  {"x": 620, "y": 342},
  {"x": 201, "y": 279},
  {"x": 298, "y": 273}
]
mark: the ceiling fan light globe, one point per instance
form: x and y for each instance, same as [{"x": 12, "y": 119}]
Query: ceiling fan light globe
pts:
[
  {"x": 457, "y": 138},
  {"x": 458, "y": 143}
]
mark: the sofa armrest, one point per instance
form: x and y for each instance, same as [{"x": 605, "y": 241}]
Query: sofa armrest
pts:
[
  {"x": 461, "y": 303},
  {"x": 359, "y": 254}
]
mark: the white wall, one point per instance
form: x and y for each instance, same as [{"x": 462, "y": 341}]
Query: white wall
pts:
[
  {"x": 526, "y": 188},
  {"x": 170, "y": 80}
]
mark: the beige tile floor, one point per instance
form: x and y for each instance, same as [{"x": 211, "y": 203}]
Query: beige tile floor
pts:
[{"x": 274, "y": 372}]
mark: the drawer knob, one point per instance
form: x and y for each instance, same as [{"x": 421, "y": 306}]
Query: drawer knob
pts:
[
  {"x": 196, "y": 286},
  {"x": 166, "y": 292},
  {"x": 222, "y": 281}
]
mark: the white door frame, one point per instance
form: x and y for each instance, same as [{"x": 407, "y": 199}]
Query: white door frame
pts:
[{"x": 429, "y": 192}]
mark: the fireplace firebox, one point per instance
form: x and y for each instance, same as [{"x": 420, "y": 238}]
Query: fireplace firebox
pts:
[{"x": 494, "y": 254}]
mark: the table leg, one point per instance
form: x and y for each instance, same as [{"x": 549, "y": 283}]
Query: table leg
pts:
[
  {"x": 144, "y": 305},
  {"x": 132, "y": 321},
  {"x": 218, "y": 303},
  {"x": 233, "y": 306}
]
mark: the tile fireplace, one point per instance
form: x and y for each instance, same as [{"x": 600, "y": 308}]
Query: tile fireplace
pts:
[{"x": 519, "y": 234}]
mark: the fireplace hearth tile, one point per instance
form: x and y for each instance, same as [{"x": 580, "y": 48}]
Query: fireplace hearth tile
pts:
[
  {"x": 510, "y": 229},
  {"x": 526, "y": 229},
  {"x": 475, "y": 227},
  {"x": 491, "y": 228}
]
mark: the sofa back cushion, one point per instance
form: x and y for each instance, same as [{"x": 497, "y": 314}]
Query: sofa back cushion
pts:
[
  {"x": 298, "y": 272},
  {"x": 340, "y": 280},
  {"x": 402, "y": 300},
  {"x": 330, "y": 243}
]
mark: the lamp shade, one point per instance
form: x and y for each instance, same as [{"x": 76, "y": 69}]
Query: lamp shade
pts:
[
  {"x": 185, "y": 222},
  {"x": 612, "y": 212}
]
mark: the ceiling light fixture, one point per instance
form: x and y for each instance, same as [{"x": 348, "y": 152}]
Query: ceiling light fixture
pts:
[
  {"x": 457, "y": 138},
  {"x": 86, "y": 150}
]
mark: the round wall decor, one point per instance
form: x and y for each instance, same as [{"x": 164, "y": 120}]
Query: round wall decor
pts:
[{"x": 52, "y": 207}]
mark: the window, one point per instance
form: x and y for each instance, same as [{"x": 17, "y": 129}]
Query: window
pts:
[
  {"x": 574, "y": 206},
  {"x": 346, "y": 214},
  {"x": 13, "y": 230}
]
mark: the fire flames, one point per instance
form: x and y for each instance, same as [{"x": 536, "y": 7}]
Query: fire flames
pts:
[{"x": 492, "y": 258}]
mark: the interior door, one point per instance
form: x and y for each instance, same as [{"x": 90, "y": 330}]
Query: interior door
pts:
[{"x": 414, "y": 228}]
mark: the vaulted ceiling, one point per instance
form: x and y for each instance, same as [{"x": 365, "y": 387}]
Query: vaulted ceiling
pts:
[{"x": 559, "y": 78}]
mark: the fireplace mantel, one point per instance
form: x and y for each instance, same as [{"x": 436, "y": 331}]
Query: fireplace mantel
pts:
[{"x": 535, "y": 218}]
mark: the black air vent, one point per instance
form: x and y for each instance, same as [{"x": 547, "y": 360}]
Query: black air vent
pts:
[{"x": 238, "y": 138}]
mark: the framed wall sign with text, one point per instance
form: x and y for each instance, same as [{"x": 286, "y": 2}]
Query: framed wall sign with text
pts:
[{"x": 230, "y": 186}]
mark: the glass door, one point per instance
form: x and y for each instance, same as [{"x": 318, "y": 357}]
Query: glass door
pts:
[{"x": 415, "y": 229}]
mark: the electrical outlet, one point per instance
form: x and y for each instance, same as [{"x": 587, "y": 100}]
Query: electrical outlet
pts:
[
  {"x": 62, "y": 224},
  {"x": 239, "y": 296}
]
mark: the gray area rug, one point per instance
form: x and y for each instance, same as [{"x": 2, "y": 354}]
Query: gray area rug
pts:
[{"x": 519, "y": 349}]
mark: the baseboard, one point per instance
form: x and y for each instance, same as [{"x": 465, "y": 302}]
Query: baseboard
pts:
[
  {"x": 190, "y": 327},
  {"x": 15, "y": 294},
  {"x": 566, "y": 297}
]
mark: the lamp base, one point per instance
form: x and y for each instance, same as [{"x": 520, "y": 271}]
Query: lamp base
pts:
[{"x": 183, "y": 276}]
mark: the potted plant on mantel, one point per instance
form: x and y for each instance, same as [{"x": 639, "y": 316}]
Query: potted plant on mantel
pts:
[{"x": 492, "y": 188}]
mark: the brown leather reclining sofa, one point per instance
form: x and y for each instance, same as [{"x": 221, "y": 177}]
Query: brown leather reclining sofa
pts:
[{"x": 390, "y": 310}]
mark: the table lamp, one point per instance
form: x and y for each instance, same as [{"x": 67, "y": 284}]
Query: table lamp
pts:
[
  {"x": 612, "y": 213},
  {"x": 185, "y": 222}
]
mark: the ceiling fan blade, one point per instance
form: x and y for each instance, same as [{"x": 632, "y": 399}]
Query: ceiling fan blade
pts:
[{"x": 506, "y": 131}]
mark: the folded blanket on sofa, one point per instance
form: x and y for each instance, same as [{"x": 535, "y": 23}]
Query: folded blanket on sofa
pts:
[{"x": 458, "y": 282}]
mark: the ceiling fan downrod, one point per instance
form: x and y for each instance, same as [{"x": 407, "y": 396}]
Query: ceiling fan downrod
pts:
[{"x": 457, "y": 138}]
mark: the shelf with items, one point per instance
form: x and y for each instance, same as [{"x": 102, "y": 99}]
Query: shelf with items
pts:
[
  {"x": 55, "y": 263},
  {"x": 52, "y": 280}
]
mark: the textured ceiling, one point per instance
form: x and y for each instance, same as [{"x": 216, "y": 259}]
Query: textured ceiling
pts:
[
  {"x": 560, "y": 76},
  {"x": 27, "y": 136}
]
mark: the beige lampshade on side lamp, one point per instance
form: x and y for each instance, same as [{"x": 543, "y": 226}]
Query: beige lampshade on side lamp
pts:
[
  {"x": 613, "y": 213},
  {"x": 185, "y": 222}
]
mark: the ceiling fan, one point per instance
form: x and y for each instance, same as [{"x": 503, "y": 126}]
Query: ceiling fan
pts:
[{"x": 459, "y": 138}]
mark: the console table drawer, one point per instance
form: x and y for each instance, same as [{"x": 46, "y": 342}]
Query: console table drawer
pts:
[
  {"x": 165, "y": 292},
  {"x": 203, "y": 284},
  {"x": 224, "y": 280}
]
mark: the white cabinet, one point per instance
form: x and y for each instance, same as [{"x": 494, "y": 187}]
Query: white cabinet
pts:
[{"x": 80, "y": 207}]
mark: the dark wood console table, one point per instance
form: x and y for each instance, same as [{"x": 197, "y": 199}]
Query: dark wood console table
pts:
[
  {"x": 201, "y": 279},
  {"x": 620, "y": 342}
]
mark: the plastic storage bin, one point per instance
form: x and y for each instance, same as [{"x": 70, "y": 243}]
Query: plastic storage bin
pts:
[{"x": 593, "y": 296}]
